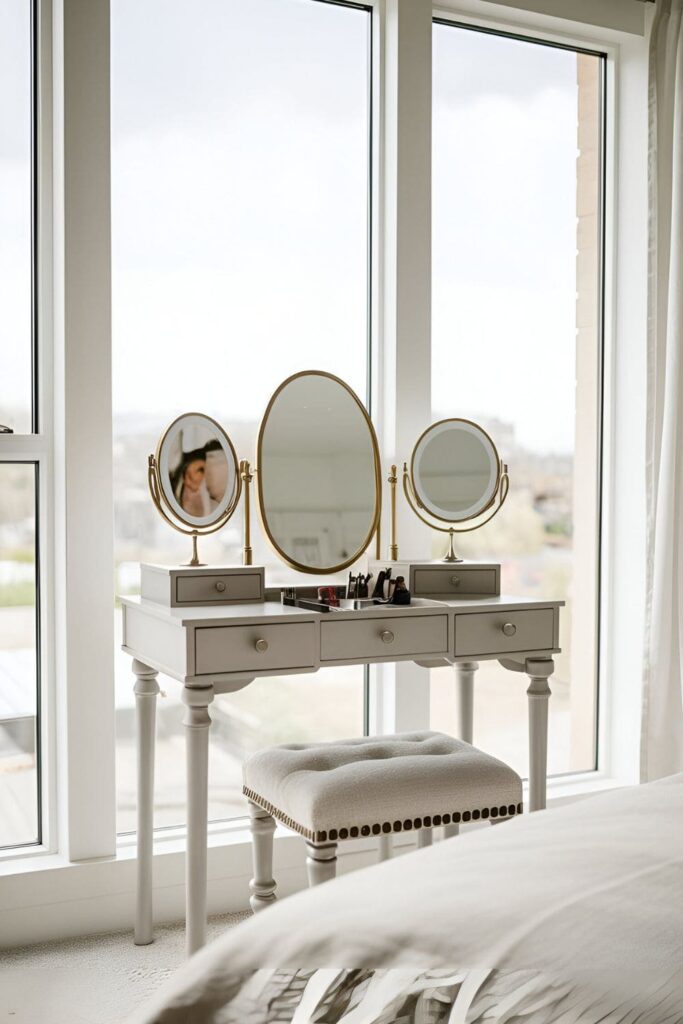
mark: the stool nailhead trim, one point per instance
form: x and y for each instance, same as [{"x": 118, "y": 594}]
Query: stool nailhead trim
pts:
[{"x": 386, "y": 827}]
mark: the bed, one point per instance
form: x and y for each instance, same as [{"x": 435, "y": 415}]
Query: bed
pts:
[{"x": 570, "y": 916}]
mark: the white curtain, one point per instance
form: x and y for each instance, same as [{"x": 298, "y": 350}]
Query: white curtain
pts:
[{"x": 662, "y": 721}]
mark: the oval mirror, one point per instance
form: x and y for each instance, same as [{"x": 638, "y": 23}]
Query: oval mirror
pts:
[
  {"x": 318, "y": 473},
  {"x": 455, "y": 470},
  {"x": 197, "y": 469}
]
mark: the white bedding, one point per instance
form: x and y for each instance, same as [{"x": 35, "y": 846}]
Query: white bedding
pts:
[{"x": 573, "y": 915}]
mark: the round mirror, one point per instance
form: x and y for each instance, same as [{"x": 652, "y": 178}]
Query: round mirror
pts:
[
  {"x": 318, "y": 473},
  {"x": 455, "y": 470},
  {"x": 198, "y": 475}
]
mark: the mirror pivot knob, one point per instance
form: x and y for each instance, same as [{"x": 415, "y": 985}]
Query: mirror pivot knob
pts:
[
  {"x": 261, "y": 646},
  {"x": 220, "y": 586},
  {"x": 387, "y": 636},
  {"x": 509, "y": 629}
]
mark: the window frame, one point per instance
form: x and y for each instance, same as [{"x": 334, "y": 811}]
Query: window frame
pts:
[
  {"x": 76, "y": 570},
  {"x": 36, "y": 448}
]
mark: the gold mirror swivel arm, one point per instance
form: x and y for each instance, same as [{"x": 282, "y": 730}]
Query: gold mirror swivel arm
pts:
[
  {"x": 246, "y": 476},
  {"x": 498, "y": 500},
  {"x": 155, "y": 492}
]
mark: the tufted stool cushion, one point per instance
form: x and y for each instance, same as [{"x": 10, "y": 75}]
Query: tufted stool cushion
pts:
[{"x": 380, "y": 784}]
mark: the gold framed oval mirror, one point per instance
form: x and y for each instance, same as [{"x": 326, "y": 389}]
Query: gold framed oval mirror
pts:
[
  {"x": 318, "y": 473},
  {"x": 194, "y": 476},
  {"x": 455, "y": 470},
  {"x": 456, "y": 476}
]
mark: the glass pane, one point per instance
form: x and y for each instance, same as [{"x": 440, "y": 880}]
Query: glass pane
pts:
[
  {"x": 15, "y": 216},
  {"x": 240, "y": 229},
  {"x": 18, "y": 663},
  {"x": 516, "y": 347}
]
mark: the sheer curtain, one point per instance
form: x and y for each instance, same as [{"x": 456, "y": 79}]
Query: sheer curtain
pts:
[{"x": 662, "y": 721}]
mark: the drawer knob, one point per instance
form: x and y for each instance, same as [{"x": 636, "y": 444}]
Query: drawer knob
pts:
[
  {"x": 455, "y": 580},
  {"x": 387, "y": 636},
  {"x": 509, "y": 629},
  {"x": 220, "y": 586},
  {"x": 261, "y": 646}
]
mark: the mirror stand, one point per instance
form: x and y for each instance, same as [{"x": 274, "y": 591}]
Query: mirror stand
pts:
[
  {"x": 451, "y": 529},
  {"x": 153, "y": 481},
  {"x": 392, "y": 480},
  {"x": 247, "y": 476}
]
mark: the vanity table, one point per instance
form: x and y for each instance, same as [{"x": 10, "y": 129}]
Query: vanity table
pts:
[
  {"x": 319, "y": 498},
  {"x": 215, "y": 631}
]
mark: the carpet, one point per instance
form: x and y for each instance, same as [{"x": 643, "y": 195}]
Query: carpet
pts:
[{"x": 98, "y": 979}]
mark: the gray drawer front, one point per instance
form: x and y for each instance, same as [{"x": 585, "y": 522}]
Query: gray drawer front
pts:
[
  {"x": 483, "y": 633},
  {"x": 234, "y": 648},
  {"x": 218, "y": 589},
  {"x": 455, "y": 581},
  {"x": 362, "y": 638}
]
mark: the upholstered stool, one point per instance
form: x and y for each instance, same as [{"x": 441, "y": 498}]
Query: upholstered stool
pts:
[{"x": 373, "y": 786}]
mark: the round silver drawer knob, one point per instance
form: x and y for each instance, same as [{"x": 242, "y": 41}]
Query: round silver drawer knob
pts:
[
  {"x": 509, "y": 629},
  {"x": 387, "y": 636},
  {"x": 455, "y": 580},
  {"x": 261, "y": 646},
  {"x": 220, "y": 586}
]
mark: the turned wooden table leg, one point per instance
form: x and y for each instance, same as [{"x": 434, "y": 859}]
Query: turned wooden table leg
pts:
[
  {"x": 262, "y": 884},
  {"x": 197, "y": 722},
  {"x": 321, "y": 862},
  {"x": 539, "y": 695},
  {"x": 464, "y": 687},
  {"x": 424, "y": 838},
  {"x": 384, "y": 848},
  {"x": 146, "y": 690}
]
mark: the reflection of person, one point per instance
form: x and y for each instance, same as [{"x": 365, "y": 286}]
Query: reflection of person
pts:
[
  {"x": 216, "y": 472},
  {"x": 200, "y": 478},
  {"x": 189, "y": 485}
]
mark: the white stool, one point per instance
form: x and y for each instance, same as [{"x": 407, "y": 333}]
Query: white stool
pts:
[{"x": 373, "y": 786}]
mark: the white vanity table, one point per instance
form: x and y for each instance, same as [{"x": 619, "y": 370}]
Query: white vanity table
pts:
[{"x": 215, "y": 631}]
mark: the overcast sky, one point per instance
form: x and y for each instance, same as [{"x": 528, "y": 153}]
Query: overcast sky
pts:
[{"x": 240, "y": 205}]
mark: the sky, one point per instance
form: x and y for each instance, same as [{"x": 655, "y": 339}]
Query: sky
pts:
[{"x": 239, "y": 212}]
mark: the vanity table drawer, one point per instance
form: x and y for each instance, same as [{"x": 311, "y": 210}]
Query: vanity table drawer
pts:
[
  {"x": 210, "y": 589},
  {"x": 253, "y": 648},
  {"x": 455, "y": 581},
  {"x": 504, "y": 632},
  {"x": 394, "y": 636}
]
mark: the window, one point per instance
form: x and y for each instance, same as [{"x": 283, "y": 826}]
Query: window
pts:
[
  {"x": 240, "y": 222},
  {"x": 517, "y": 303},
  {"x": 21, "y": 454}
]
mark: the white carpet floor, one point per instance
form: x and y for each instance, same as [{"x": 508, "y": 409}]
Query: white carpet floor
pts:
[{"x": 99, "y": 979}]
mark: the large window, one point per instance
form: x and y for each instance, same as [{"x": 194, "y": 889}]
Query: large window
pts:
[
  {"x": 20, "y": 453},
  {"x": 240, "y": 221},
  {"x": 517, "y": 318}
]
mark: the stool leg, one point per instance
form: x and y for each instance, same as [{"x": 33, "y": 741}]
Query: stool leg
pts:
[
  {"x": 321, "y": 862},
  {"x": 262, "y": 884},
  {"x": 384, "y": 848},
  {"x": 424, "y": 837},
  {"x": 451, "y": 830}
]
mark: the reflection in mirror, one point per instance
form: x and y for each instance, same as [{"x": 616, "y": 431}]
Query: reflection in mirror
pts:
[
  {"x": 455, "y": 470},
  {"x": 318, "y": 473},
  {"x": 197, "y": 471}
]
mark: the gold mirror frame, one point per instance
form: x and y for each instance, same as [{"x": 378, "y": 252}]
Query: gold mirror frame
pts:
[
  {"x": 497, "y": 499},
  {"x": 263, "y": 518},
  {"x": 415, "y": 489},
  {"x": 163, "y": 506}
]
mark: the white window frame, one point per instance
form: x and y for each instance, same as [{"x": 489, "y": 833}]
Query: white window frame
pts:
[{"x": 75, "y": 201}]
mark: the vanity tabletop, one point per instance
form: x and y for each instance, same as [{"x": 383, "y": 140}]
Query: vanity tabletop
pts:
[{"x": 274, "y": 611}]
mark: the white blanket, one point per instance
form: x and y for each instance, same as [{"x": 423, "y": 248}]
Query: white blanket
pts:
[{"x": 570, "y": 915}]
